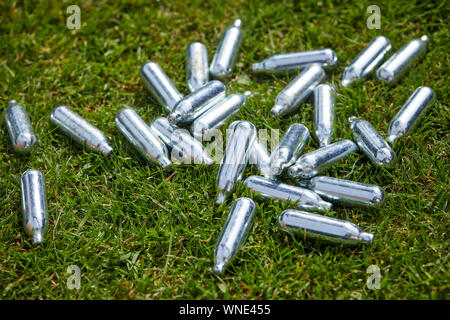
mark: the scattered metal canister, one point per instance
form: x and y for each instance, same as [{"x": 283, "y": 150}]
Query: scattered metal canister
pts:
[
  {"x": 371, "y": 142},
  {"x": 227, "y": 52},
  {"x": 315, "y": 162},
  {"x": 294, "y": 61},
  {"x": 78, "y": 129},
  {"x": 138, "y": 133},
  {"x": 410, "y": 115},
  {"x": 297, "y": 91},
  {"x": 289, "y": 149},
  {"x": 160, "y": 86},
  {"x": 324, "y": 113},
  {"x": 34, "y": 205},
  {"x": 304, "y": 198},
  {"x": 316, "y": 226},
  {"x": 367, "y": 60},
  {"x": 345, "y": 192},
  {"x": 198, "y": 102},
  {"x": 396, "y": 66},
  {"x": 235, "y": 159},
  {"x": 197, "y": 66},
  {"x": 218, "y": 114},
  {"x": 234, "y": 232},
  {"x": 19, "y": 128},
  {"x": 184, "y": 146}
]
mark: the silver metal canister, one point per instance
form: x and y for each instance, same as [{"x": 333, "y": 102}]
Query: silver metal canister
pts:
[
  {"x": 217, "y": 115},
  {"x": 410, "y": 115},
  {"x": 235, "y": 159},
  {"x": 34, "y": 205},
  {"x": 227, "y": 52},
  {"x": 197, "y": 68},
  {"x": 315, "y": 162},
  {"x": 297, "y": 91},
  {"x": 371, "y": 142},
  {"x": 367, "y": 60},
  {"x": 19, "y": 128},
  {"x": 138, "y": 133},
  {"x": 184, "y": 147},
  {"x": 290, "y": 148},
  {"x": 198, "y": 102},
  {"x": 345, "y": 192},
  {"x": 78, "y": 129},
  {"x": 160, "y": 86},
  {"x": 294, "y": 61},
  {"x": 234, "y": 232},
  {"x": 324, "y": 114},
  {"x": 396, "y": 66},
  {"x": 314, "y": 226},
  {"x": 304, "y": 198}
]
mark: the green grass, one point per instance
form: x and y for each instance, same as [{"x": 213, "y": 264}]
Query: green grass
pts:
[{"x": 137, "y": 231}]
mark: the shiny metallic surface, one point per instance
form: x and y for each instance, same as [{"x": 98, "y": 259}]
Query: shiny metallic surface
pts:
[
  {"x": 367, "y": 60},
  {"x": 218, "y": 114},
  {"x": 78, "y": 129},
  {"x": 227, "y": 52},
  {"x": 371, "y": 142},
  {"x": 234, "y": 232},
  {"x": 235, "y": 159},
  {"x": 345, "y": 192},
  {"x": 410, "y": 115},
  {"x": 396, "y": 66},
  {"x": 184, "y": 146},
  {"x": 19, "y": 128},
  {"x": 297, "y": 91},
  {"x": 294, "y": 61},
  {"x": 197, "y": 68},
  {"x": 324, "y": 114},
  {"x": 315, "y": 162},
  {"x": 138, "y": 133},
  {"x": 34, "y": 205},
  {"x": 315, "y": 226},
  {"x": 291, "y": 145},
  {"x": 304, "y": 198},
  {"x": 160, "y": 86},
  {"x": 198, "y": 102},
  {"x": 261, "y": 158}
]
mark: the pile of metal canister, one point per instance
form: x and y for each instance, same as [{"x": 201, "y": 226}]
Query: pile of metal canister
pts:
[{"x": 208, "y": 107}]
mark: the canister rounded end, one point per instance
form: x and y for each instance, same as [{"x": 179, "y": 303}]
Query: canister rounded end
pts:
[
  {"x": 25, "y": 142},
  {"x": 332, "y": 57},
  {"x": 219, "y": 72}
]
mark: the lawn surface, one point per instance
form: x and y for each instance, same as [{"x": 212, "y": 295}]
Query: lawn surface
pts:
[{"x": 137, "y": 231}]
